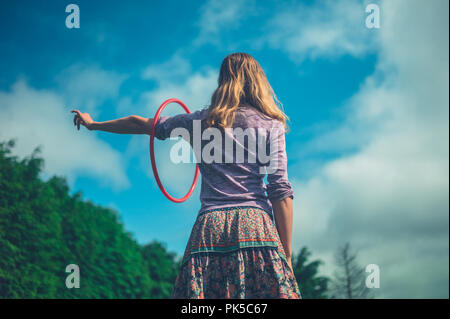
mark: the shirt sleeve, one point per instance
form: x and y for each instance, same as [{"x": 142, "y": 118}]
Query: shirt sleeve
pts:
[
  {"x": 166, "y": 124},
  {"x": 278, "y": 186}
]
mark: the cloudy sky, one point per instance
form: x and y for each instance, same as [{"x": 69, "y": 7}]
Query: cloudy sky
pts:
[{"x": 368, "y": 148}]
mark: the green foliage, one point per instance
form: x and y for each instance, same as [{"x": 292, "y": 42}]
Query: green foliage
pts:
[
  {"x": 162, "y": 267},
  {"x": 43, "y": 229},
  {"x": 311, "y": 285}
]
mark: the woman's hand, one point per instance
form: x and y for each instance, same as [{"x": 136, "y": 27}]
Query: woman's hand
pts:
[
  {"x": 83, "y": 119},
  {"x": 132, "y": 124}
]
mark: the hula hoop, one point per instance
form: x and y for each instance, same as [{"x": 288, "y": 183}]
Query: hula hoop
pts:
[{"x": 152, "y": 155}]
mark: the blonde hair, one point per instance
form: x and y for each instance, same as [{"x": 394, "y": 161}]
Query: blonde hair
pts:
[{"x": 242, "y": 81}]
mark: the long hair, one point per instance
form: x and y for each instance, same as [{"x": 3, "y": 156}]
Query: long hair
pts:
[{"x": 242, "y": 81}]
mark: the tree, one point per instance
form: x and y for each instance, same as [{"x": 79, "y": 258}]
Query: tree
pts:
[
  {"x": 30, "y": 233},
  {"x": 162, "y": 268},
  {"x": 311, "y": 285},
  {"x": 43, "y": 229},
  {"x": 349, "y": 280}
]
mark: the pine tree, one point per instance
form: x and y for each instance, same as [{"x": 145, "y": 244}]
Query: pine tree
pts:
[
  {"x": 349, "y": 280},
  {"x": 311, "y": 285}
]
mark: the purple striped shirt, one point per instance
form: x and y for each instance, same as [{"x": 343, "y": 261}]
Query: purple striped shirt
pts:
[{"x": 229, "y": 181}]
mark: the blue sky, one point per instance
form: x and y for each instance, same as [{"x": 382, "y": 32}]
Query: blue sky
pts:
[{"x": 368, "y": 147}]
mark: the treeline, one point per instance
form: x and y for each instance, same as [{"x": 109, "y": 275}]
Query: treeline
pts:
[{"x": 43, "y": 229}]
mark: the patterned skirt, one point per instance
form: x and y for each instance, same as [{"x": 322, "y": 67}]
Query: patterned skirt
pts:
[{"x": 235, "y": 253}]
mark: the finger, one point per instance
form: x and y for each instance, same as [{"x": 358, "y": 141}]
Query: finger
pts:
[
  {"x": 78, "y": 123},
  {"x": 75, "y": 120},
  {"x": 77, "y": 114}
]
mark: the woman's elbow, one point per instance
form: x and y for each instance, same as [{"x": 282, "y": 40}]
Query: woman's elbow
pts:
[{"x": 143, "y": 125}]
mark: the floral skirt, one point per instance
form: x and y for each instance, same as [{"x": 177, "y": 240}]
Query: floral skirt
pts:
[{"x": 235, "y": 253}]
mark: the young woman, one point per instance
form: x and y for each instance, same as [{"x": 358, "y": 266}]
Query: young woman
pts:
[{"x": 240, "y": 245}]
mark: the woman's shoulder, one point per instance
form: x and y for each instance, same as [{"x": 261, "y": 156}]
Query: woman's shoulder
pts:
[
  {"x": 196, "y": 114},
  {"x": 256, "y": 118}
]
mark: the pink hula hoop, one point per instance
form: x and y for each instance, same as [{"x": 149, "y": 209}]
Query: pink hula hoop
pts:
[{"x": 152, "y": 155}]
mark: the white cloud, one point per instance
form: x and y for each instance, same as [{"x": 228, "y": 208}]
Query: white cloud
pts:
[
  {"x": 174, "y": 79},
  {"x": 195, "y": 92},
  {"x": 87, "y": 87},
  {"x": 326, "y": 29},
  {"x": 216, "y": 18},
  {"x": 42, "y": 118},
  {"x": 174, "y": 69},
  {"x": 390, "y": 196}
]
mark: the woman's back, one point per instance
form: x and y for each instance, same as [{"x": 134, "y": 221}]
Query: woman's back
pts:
[{"x": 234, "y": 161}]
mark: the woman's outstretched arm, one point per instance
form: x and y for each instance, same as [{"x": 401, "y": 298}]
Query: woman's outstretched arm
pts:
[
  {"x": 283, "y": 218},
  {"x": 132, "y": 124}
]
